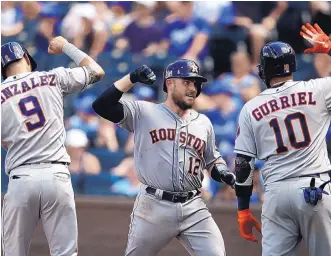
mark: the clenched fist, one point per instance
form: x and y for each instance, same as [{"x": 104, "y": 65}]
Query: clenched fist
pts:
[
  {"x": 144, "y": 75},
  {"x": 56, "y": 45}
]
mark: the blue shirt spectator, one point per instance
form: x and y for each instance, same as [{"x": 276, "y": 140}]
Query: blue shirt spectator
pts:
[
  {"x": 85, "y": 118},
  {"x": 143, "y": 34},
  {"x": 186, "y": 36},
  {"x": 11, "y": 19},
  {"x": 244, "y": 84},
  {"x": 225, "y": 116},
  {"x": 181, "y": 34}
]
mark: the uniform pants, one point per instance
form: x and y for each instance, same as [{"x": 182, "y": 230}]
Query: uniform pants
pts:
[
  {"x": 39, "y": 192},
  {"x": 287, "y": 218},
  {"x": 155, "y": 222}
]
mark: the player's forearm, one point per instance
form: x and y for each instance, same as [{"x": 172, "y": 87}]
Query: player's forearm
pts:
[
  {"x": 220, "y": 173},
  {"x": 244, "y": 183},
  {"x": 95, "y": 71},
  {"x": 107, "y": 105},
  {"x": 124, "y": 84}
]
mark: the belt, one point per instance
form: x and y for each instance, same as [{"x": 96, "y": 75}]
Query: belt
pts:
[
  {"x": 316, "y": 175},
  {"x": 53, "y": 162},
  {"x": 172, "y": 197}
]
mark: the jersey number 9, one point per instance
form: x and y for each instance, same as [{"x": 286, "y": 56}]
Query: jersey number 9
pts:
[{"x": 35, "y": 109}]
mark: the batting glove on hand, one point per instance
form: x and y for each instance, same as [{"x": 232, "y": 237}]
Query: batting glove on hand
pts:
[
  {"x": 221, "y": 173},
  {"x": 144, "y": 75},
  {"x": 246, "y": 223},
  {"x": 316, "y": 36},
  {"x": 229, "y": 178}
]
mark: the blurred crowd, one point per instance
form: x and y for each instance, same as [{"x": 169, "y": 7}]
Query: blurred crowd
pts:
[{"x": 223, "y": 37}]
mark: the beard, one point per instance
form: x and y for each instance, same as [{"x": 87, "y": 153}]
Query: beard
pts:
[{"x": 182, "y": 104}]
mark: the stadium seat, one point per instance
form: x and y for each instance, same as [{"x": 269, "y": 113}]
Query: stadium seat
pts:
[
  {"x": 97, "y": 184},
  {"x": 107, "y": 159}
]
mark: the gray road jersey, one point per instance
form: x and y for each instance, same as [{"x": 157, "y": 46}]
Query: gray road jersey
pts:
[
  {"x": 32, "y": 128},
  {"x": 170, "y": 153},
  {"x": 286, "y": 126}
]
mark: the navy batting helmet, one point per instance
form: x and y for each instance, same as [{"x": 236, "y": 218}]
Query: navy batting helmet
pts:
[
  {"x": 183, "y": 69},
  {"x": 277, "y": 59},
  {"x": 11, "y": 52}
]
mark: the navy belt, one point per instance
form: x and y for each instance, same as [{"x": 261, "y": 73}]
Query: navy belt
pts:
[
  {"x": 53, "y": 162},
  {"x": 174, "y": 197},
  {"x": 316, "y": 175}
]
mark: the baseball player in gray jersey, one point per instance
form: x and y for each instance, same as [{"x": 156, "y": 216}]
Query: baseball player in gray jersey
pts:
[
  {"x": 173, "y": 145},
  {"x": 32, "y": 132},
  {"x": 286, "y": 126}
]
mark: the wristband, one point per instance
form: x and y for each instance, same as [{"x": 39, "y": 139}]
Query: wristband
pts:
[
  {"x": 74, "y": 53},
  {"x": 243, "y": 213}
]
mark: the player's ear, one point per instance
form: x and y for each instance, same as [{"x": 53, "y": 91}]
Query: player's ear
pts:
[
  {"x": 27, "y": 60},
  {"x": 169, "y": 84}
]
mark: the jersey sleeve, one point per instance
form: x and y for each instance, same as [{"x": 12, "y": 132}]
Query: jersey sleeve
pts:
[
  {"x": 324, "y": 85},
  {"x": 212, "y": 153},
  {"x": 132, "y": 113},
  {"x": 245, "y": 143},
  {"x": 71, "y": 80}
]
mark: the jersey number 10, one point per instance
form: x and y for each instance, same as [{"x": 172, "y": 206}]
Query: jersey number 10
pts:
[
  {"x": 281, "y": 147},
  {"x": 35, "y": 110}
]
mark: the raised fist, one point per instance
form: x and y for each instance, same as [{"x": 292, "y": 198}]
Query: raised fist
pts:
[
  {"x": 144, "y": 75},
  {"x": 316, "y": 36},
  {"x": 56, "y": 45}
]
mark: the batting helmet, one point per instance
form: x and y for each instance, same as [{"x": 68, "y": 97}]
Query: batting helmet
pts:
[
  {"x": 277, "y": 59},
  {"x": 183, "y": 69},
  {"x": 11, "y": 52}
]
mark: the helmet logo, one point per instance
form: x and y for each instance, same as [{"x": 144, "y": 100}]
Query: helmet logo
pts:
[
  {"x": 194, "y": 67},
  {"x": 178, "y": 72},
  {"x": 168, "y": 73},
  {"x": 285, "y": 50},
  {"x": 286, "y": 68},
  {"x": 7, "y": 58}
]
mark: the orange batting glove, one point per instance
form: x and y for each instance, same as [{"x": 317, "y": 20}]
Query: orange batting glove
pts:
[
  {"x": 315, "y": 35},
  {"x": 246, "y": 223}
]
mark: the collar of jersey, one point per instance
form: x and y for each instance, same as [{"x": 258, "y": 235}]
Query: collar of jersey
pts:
[
  {"x": 193, "y": 115},
  {"x": 16, "y": 77},
  {"x": 278, "y": 87}
]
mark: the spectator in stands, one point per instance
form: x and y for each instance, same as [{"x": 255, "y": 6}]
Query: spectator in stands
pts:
[
  {"x": 106, "y": 136},
  {"x": 214, "y": 12},
  {"x": 259, "y": 19},
  {"x": 129, "y": 185},
  {"x": 85, "y": 28},
  {"x": 81, "y": 160},
  {"x": 30, "y": 9},
  {"x": 246, "y": 84},
  {"x": 11, "y": 19},
  {"x": 185, "y": 36},
  {"x": 142, "y": 35},
  {"x": 322, "y": 65},
  {"x": 50, "y": 14},
  {"x": 120, "y": 16},
  {"x": 84, "y": 117},
  {"x": 225, "y": 115}
]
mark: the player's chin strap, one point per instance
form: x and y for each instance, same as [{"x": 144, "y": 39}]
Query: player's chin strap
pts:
[{"x": 313, "y": 194}]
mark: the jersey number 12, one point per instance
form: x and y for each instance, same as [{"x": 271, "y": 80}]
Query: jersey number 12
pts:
[{"x": 281, "y": 147}]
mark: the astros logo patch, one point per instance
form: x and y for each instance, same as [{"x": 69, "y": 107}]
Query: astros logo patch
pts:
[{"x": 194, "y": 67}]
